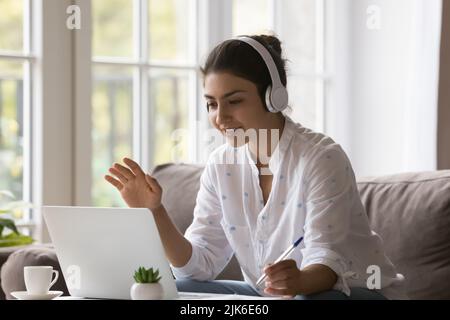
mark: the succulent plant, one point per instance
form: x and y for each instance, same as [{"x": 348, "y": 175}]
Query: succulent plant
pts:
[{"x": 143, "y": 275}]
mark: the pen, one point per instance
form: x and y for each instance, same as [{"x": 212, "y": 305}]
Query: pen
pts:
[{"x": 283, "y": 255}]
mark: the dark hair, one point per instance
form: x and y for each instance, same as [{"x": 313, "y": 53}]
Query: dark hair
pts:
[{"x": 241, "y": 60}]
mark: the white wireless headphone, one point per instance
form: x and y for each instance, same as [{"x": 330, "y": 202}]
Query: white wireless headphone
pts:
[{"x": 276, "y": 94}]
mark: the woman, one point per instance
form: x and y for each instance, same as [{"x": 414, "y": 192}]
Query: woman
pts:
[{"x": 289, "y": 182}]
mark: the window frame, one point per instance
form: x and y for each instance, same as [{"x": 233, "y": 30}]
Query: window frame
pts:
[
  {"x": 204, "y": 14},
  {"x": 48, "y": 122},
  {"x": 142, "y": 115}
]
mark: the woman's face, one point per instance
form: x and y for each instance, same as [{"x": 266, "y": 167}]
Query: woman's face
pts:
[{"x": 234, "y": 103}]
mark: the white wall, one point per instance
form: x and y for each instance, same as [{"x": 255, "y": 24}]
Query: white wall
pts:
[{"x": 384, "y": 102}]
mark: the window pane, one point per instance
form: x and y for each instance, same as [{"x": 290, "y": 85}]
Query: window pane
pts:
[
  {"x": 250, "y": 17},
  {"x": 11, "y": 21},
  {"x": 112, "y": 106},
  {"x": 169, "y": 98},
  {"x": 299, "y": 45},
  {"x": 112, "y": 33},
  {"x": 302, "y": 100},
  {"x": 171, "y": 32},
  {"x": 11, "y": 127}
]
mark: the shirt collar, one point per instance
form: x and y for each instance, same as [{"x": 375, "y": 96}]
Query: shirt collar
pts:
[{"x": 280, "y": 149}]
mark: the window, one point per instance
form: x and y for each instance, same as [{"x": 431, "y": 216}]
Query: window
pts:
[
  {"x": 16, "y": 63},
  {"x": 304, "y": 49},
  {"x": 144, "y": 84},
  {"x": 146, "y": 96}
]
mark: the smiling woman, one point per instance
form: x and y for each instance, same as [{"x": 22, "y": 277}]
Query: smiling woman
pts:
[
  {"x": 237, "y": 109},
  {"x": 257, "y": 207},
  {"x": 223, "y": 73}
]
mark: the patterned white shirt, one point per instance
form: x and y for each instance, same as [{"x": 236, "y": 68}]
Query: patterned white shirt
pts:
[{"x": 314, "y": 194}]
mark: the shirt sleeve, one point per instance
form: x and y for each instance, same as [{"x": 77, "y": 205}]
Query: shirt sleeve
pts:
[
  {"x": 328, "y": 185},
  {"x": 210, "y": 248}
]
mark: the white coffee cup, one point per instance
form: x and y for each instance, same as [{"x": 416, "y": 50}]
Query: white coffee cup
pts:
[{"x": 38, "y": 279}]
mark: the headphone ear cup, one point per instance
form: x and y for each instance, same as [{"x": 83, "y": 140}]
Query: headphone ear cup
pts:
[
  {"x": 279, "y": 98},
  {"x": 268, "y": 100},
  {"x": 276, "y": 99}
]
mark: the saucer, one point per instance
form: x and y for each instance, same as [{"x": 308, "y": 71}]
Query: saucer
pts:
[{"x": 24, "y": 295}]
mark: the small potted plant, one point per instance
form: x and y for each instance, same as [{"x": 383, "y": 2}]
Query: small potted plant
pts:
[{"x": 147, "y": 286}]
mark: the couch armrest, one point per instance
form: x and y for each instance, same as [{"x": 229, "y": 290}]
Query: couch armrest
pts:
[
  {"x": 34, "y": 255},
  {"x": 5, "y": 252}
]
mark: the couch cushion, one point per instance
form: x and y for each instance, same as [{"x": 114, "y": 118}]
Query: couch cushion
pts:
[
  {"x": 411, "y": 212},
  {"x": 34, "y": 255},
  {"x": 180, "y": 183}
]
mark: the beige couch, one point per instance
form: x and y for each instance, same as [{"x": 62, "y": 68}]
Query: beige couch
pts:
[{"x": 410, "y": 211}]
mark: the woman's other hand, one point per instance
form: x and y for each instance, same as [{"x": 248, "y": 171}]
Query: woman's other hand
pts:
[
  {"x": 285, "y": 279},
  {"x": 282, "y": 278},
  {"x": 138, "y": 189}
]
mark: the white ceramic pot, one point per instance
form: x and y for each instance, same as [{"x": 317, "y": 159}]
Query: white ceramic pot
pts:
[{"x": 146, "y": 291}]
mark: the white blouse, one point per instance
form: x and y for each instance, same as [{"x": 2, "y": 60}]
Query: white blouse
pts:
[{"x": 314, "y": 194}]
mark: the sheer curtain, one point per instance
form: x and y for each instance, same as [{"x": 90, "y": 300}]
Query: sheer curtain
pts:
[
  {"x": 421, "y": 97},
  {"x": 384, "y": 110}
]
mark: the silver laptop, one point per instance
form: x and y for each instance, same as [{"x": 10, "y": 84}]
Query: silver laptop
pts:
[{"x": 100, "y": 248}]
